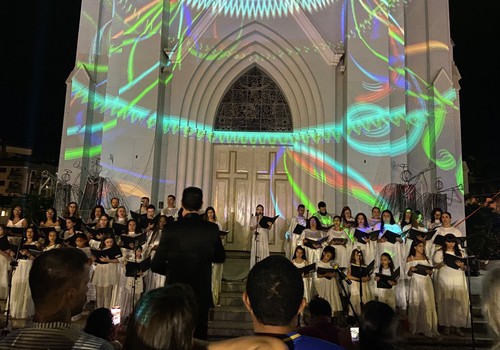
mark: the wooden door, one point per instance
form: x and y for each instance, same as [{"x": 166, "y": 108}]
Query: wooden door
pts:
[{"x": 243, "y": 178}]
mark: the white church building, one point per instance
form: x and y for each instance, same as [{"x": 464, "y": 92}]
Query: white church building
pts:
[{"x": 272, "y": 102}]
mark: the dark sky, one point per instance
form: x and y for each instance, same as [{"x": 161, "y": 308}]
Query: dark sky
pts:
[{"x": 41, "y": 40}]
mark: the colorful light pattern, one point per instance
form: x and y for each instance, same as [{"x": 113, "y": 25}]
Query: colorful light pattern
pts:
[{"x": 365, "y": 126}]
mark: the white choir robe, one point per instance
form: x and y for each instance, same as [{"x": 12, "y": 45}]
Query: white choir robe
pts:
[
  {"x": 312, "y": 255},
  {"x": 342, "y": 253},
  {"x": 294, "y": 238},
  {"x": 260, "y": 243},
  {"x": 398, "y": 253}
]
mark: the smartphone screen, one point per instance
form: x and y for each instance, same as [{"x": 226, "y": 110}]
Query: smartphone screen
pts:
[
  {"x": 116, "y": 313},
  {"x": 355, "y": 334}
]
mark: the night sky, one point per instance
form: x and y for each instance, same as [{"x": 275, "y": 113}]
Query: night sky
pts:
[{"x": 41, "y": 40}]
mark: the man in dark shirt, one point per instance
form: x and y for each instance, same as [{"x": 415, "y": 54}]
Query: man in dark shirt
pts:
[
  {"x": 274, "y": 297},
  {"x": 186, "y": 252}
]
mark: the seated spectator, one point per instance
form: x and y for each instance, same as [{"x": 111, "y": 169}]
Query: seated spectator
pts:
[
  {"x": 320, "y": 325},
  {"x": 100, "y": 324},
  {"x": 378, "y": 326},
  {"x": 58, "y": 281},
  {"x": 274, "y": 297},
  {"x": 491, "y": 308},
  {"x": 165, "y": 319}
]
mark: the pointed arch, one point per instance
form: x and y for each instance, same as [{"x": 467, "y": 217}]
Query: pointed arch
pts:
[{"x": 253, "y": 102}]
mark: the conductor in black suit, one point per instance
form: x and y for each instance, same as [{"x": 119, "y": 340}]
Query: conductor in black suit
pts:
[{"x": 186, "y": 252}]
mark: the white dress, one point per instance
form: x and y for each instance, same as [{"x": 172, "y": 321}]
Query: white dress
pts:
[
  {"x": 422, "y": 314},
  {"x": 153, "y": 280},
  {"x": 259, "y": 244},
  {"x": 441, "y": 231},
  {"x": 397, "y": 251},
  {"x": 328, "y": 288},
  {"x": 342, "y": 253},
  {"x": 306, "y": 280},
  {"x": 368, "y": 249},
  {"x": 312, "y": 255},
  {"x": 21, "y": 304},
  {"x": 452, "y": 296},
  {"x": 355, "y": 299},
  {"x": 387, "y": 295},
  {"x": 105, "y": 275},
  {"x": 294, "y": 238}
]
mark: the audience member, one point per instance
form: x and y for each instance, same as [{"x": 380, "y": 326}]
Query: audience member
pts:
[
  {"x": 320, "y": 325},
  {"x": 274, "y": 297},
  {"x": 100, "y": 324},
  {"x": 58, "y": 281},
  {"x": 491, "y": 307},
  {"x": 378, "y": 326},
  {"x": 165, "y": 319}
]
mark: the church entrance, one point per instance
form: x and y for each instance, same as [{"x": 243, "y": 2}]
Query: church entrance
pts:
[{"x": 247, "y": 175}]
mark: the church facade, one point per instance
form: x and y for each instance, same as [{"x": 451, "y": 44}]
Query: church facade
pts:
[{"x": 268, "y": 102}]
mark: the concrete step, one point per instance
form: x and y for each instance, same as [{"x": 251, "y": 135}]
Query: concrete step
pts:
[
  {"x": 230, "y": 299},
  {"x": 233, "y": 286},
  {"x": 231, "y": 313},
  {"x": 227, "y": 329}
]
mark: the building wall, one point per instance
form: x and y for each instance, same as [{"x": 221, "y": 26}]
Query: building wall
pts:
[{"x": 369, "y": 89}]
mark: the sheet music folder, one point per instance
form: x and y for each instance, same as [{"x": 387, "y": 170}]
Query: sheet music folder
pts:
[{"x": 265, "y": 219}]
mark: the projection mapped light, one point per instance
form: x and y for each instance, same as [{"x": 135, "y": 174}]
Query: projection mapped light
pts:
[{"x": 258, "y": 8}]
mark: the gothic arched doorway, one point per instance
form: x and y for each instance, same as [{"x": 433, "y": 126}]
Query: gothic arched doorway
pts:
[{"x": 245, "y": 176}]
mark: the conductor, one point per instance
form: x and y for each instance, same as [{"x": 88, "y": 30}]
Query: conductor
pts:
[{"x": 186, "y": 252}]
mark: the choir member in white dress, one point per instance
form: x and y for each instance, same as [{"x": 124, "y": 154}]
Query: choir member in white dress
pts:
[
  {"x": 82, "y": 243},
  {"x": 358, "y": 260},
  {"x": 323, "y": 216},
  {"x": 406, "y": 219},
  {"x": 105, "y": 275},
  {"x": 120, "y": 216},
  {"x": 103, "y": 222},
  {"x": 435, "y": 220},
  {"x": 51, "y": 220},
  {"x": 134, "y": 285},
  {"x": 386, "y": 292},
  {"x": 170, "y": 210},
  {"x": 375, "y": 218},
  {"x": 16, "y": 220},
  {"x": 417, "y": 223},
  {"x": 217, "y": 268},
  {"x": 339, "y": 238},
  {"x": 144, "y": 205},
  {"x": 299, "y": 259},
  {"x": 155, "y": 280},
  {"x": 291, "y": 237},
  {"x": 443, "y": 230},
  {"x": 312, "y": 232},
  {"x": 71, "y": 211},
  {"x": 260, "y": 237},
  {"x": 369, "y": 247},
  {"x": 5, "y": 259},
  {"x": 326, "y": 284},
  {"x": 52, "y": 241},
  {"x": 452, "y": 296},
  {"x": 347, "y": 221},
  {"x": 397, "y": 251},
  {"x": 21, "y": 304},
  {"x": 422, "y": 314}
]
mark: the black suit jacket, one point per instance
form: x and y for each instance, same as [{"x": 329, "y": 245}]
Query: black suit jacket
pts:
[{"x": 186, "y": 252}]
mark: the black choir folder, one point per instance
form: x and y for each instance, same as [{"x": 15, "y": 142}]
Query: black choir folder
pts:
[
  {"x": 265, "y": 219},
  {"x": 363, "y": 270},
  {"x": 143, "y": 220},
  {"x": 338, "y": 241},
  {"x": 27, "y": 247},
  {"x": 383, "y": 282},
  {"x": 111, "y": 253},
  {"x": 324, "y": 270},
  {"x": 413, "y": 234},
  {"x": 133, "y": 268},
  {"x": 422, "y": 269},
  {"x": 311, "y": 242},
  {"x": 106, "y": 231},
  {"x": 15, "y": 231},
  {"x": 450, "y": 260},
  {"x": 4, "y": 243},
  {"x": 439, "y": 240},
  {"x": 360, "y": 235},
  {"x": 298, "y": 229},
  {"x": 133, "y": 241},
  {"x": 224, "y": 233},
  {"x": 308, "y": 268}
]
